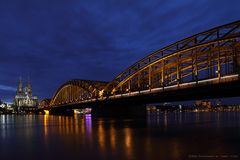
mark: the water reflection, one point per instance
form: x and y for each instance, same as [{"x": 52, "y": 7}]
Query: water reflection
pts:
[
  {"x": 88, "y": 124},
  {"x": 112, "y": 137},
  {"x": 128, "y": 142},
  {"x": 165, "y": 120},
  {"x": 45, "y": 125},
  {"x": 3, "y": 126},
  {"x": 101, "y": 135},
  {"x": 159, "y": 136},
  {"x": 64, "y": 125}
]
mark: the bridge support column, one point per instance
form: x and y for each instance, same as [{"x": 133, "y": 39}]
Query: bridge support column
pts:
[
  {"x": 61, "y": 111},
  {"x": 124, "y": 110}
]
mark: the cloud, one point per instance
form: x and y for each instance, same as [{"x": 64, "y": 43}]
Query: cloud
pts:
[{"x": 7, "y": 88}]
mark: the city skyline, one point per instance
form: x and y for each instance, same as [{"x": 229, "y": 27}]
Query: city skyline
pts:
[{"x": 78, "y": 41}]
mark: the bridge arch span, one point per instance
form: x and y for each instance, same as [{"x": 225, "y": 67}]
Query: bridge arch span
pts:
[
  {"x": 211, "y": 54},
  {"x": 75, "y": 91},
  {"x": 45, "y": 103}
]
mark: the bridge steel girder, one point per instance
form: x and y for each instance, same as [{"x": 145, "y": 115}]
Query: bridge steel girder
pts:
[
  {"x": 210, "y": 54},
  {"x": 75, "y": 91},
  {"x": 45, "y": 103},
  {"x": 196, "y": 92},
  {"x": 208, "y": 62}
]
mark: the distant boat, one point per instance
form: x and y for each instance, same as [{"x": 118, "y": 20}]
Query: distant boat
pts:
[{"x": 83, "y": 111}]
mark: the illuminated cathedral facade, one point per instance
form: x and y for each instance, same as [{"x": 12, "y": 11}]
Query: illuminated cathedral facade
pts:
[{"x": 24, "y": 100}]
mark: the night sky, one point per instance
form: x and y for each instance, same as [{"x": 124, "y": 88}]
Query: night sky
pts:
[{"x": 54, "y": 41}]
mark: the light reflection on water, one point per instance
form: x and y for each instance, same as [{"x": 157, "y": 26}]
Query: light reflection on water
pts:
[{"x": 159, "y": 136}]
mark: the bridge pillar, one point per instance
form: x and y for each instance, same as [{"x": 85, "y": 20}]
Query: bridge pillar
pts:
[
  {"x": 61, "y": 111},
  {"x": 123, "y": 110}
]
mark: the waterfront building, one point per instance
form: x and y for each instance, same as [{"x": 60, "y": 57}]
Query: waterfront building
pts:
[
  {"x": 204, "y": 103},
  {"x": 24, "y": 100}
]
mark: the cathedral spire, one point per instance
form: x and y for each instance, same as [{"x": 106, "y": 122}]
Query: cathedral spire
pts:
[
  {"x": 29, "y": 88},
  {"x": 20, "y": 87}
]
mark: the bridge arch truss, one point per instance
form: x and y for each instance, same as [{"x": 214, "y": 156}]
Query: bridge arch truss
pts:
[
  {"x": 210, "y": 54},
  {"x": 75, "y": 91}
]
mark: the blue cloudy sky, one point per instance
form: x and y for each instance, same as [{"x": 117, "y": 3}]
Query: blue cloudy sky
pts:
[{"x": 52, "y": 41}]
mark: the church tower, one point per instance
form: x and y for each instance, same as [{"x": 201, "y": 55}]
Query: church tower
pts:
[
  {"x": 20, "y": 88},
  {"x": 29, "y": 88}
]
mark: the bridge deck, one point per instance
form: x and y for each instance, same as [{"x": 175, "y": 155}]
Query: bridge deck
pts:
[{"x": 161, "y": 90}]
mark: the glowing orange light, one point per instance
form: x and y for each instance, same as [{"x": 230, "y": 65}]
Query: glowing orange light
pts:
[{"x": 46, "y": 112}]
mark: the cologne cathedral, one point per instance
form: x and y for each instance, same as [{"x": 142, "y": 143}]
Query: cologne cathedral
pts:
[{"x": 24, "y": 101}]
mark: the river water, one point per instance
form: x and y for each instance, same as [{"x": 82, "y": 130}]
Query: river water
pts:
[{"x": 158, "y": 136}]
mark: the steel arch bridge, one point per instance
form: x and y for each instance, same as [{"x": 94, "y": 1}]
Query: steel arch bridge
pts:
[
  {"x": 206, "y": 58},
  {"x": 210, "y": 54},
  {"x": 77, "y": 90},
  {"x": 45, "y": 103}
]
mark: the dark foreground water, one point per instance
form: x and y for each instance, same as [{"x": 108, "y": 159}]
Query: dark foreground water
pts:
[{"x": 163, "y": 136}]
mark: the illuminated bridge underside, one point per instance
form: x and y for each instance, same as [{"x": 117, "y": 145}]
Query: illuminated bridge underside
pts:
[
  {"x": 75, "y": 91},
  {"x": 207, "y": 55}
]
